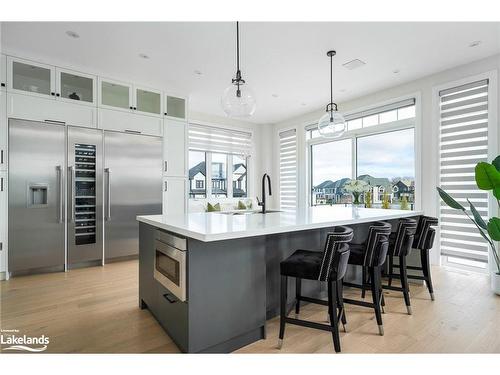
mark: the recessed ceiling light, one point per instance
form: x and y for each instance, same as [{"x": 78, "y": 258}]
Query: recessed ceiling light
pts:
[
  {"x": 353, "y": 64},
  {"x": 72, "y": 34},
  {"x": 395, "y": 71},
  {"x": 303, "y": 104},
  {"x": 275, "y": 95},
  {"x": 197, "y": 72},
  {"x": 475, "y": 43},
  {"x": 143, "y": 56}
]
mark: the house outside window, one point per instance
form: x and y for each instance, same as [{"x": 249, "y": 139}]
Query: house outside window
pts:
[{"x": 218, "y": 162}]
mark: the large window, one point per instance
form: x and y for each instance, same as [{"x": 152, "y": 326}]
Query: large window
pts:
[
  {"x": 225, "y": 152},
  {"x": 218, "y": 175},
  {"x": 463, "y": 142},
  {"x": 391, "y": 174},
  {"x": 378, "y": 148},
  {"x": 331, "y": 167}
]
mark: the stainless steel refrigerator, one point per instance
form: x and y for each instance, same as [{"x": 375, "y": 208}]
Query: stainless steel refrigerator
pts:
[
  {"x": 47, "y": 160},
  {"x": 132, "y": 173}
]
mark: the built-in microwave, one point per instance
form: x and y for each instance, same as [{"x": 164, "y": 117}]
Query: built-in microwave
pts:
[{"x": 170, "y": 263}]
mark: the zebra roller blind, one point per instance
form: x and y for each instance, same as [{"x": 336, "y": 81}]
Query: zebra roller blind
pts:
[
  {"x": 463, "y": 143},
  {"x": 288, "y": 170},
  {"x": 213, "y": 139}
]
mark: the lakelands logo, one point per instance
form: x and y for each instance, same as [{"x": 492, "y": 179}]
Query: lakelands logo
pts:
[{"x": 18, "y": 342}]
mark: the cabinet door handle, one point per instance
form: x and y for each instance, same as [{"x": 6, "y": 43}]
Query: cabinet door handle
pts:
[
  {"x": 56, "y": 122},
  {"x": 166, "y": 185},
  {"x": 165, "y": 114},
  {"x": 1, "y": 156},
  {"x": 58, "y": 94},
  {"x": 1, "y": 184},
  {"x": 53, "y": 93},
  {"x": 132, "y": 131},
  {"x": 131, "y": 107},
  {"x": 135, "y": 108},
  {"x": 3, "y": 84},
  {"x": 166, "y": 165},
  {"x": 169, "y": 298}
]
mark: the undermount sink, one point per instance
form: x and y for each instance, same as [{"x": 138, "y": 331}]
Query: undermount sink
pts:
[{"x": 232, "y": 213}]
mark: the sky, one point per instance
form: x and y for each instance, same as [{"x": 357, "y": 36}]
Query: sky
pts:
[{"x": 332, "y": 161}]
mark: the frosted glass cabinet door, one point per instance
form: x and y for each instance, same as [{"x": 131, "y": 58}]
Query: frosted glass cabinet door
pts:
[
  {"x": 76, "y": 87},
  {"x": 116, "y": 95},
  {"x": 176, "y": 107},
  {"x": 148, "y": 101},
  {"x": 31, "y": 78}
]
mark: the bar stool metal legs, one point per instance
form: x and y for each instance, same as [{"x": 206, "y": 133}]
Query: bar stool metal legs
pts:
[{"x": 283, "y": 298}]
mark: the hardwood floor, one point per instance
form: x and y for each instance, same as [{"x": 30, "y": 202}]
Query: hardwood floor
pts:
[{"x": 95, "y": 310}]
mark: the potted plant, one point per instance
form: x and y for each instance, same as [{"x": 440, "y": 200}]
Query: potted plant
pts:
[
  {"x": 356, "y": 188},
  {"x": 487, "y": 178}
]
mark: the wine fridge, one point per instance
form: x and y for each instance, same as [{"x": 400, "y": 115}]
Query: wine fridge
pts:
[{"x": 85, "y": 190}]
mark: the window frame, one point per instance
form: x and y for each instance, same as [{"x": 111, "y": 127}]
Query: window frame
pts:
[
  {"x": 411, "y": 123},
  {"x": 229, "y": 176}
]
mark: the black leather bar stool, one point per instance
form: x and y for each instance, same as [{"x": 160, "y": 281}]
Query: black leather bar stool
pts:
[
  {"x": 423, "y": 242},
  {"x": 328, "y": 265},
  {"x": 400, "y": 244},
  {"x": 371, "y": 255}
]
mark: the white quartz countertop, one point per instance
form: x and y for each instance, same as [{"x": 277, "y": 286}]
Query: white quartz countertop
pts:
[{"x": 216, "y": 226}]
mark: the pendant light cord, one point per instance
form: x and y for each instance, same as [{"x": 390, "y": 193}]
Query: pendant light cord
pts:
[
  {"x": 237, "y": 47},
  {"x": 331, "y": 80}
]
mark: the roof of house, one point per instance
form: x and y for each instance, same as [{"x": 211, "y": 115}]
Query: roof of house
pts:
[{"x": 201, "y": 168}]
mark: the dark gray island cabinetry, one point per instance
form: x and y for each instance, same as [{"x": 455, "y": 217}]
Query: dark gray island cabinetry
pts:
[{"x": 225, "y": 307}]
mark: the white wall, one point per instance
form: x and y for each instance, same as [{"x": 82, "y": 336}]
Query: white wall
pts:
[{"x": 423, "y": 87}]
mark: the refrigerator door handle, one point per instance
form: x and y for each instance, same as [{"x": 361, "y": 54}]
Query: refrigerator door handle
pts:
[
  {"x": 107, "y": 215},
  {"x": 60, "y": 192},
  {"x": 72, "y": 198}
]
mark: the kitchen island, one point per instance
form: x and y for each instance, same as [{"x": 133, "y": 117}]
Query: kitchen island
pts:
[{"x": 212, "y": 279}]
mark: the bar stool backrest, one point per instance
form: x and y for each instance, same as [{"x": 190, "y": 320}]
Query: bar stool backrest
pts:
[
  {"x": 336, "y": 252},
  {"x": 377, "y": 244},
  {"x": 404, "y": 237},
  {"x": 424, "y": 236}
]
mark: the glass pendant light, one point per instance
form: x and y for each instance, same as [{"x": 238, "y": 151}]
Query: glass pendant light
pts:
[
  {"x": 332, "y": 123},
  {"x": 238, "y": 100}
]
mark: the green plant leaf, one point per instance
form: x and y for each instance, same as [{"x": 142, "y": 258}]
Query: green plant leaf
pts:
[
  {"x": 449, "y": 200},
  {"x": 496, "y": 163},
  {"x": 494, "y": 228},
  {"x": 477, "y": 217},
  {"x": 487, "y": 176}
]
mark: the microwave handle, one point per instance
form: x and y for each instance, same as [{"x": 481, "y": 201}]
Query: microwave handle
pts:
[{"x": 169, "y": 298}]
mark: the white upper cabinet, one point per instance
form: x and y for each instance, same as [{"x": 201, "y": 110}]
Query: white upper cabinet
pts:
[
  {"x": 175, "y": 107},
  {"x": 31, "y": 78},
  {"x": 174, "y": 148},
  {"x": 3, "y": 72},
  {"x": 148, "y": 101},
  {"x": 76, "y": 87}
]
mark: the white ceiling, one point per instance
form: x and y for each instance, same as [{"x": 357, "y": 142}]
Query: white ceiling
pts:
[{"x": 287, "y": 59}]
